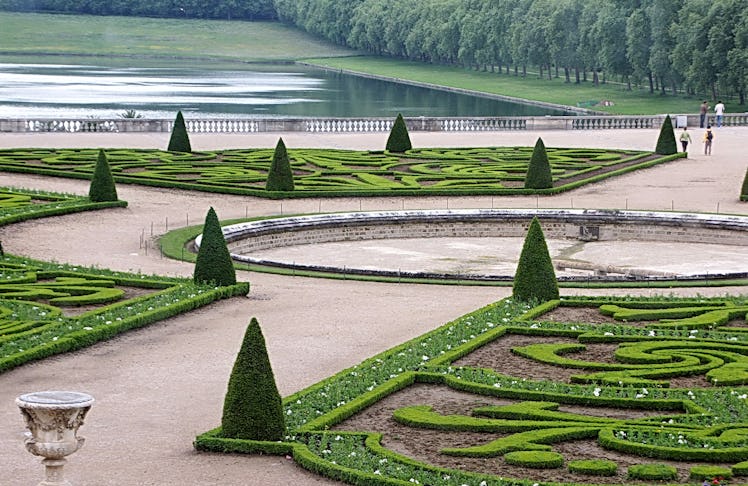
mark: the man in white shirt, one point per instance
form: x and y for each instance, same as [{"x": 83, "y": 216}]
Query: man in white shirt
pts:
[{"x": 719, "y": 110}]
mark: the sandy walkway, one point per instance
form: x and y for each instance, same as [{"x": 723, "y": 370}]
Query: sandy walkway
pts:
[{"x": 157, "y": 388}]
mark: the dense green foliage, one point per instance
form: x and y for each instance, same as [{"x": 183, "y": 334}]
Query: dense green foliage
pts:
[
  {"x": 652, "y": 472},
  {"x": 102, "y": 184},
  {"x": 666, "y": 140},
  {"x": 331, "y": 173},
  {"x": 539, "y": 169},
  {"x": 535, "y": 278},
  {"x": 744, "y": 188},
  {"x": 663, "y": 45},
  {"x": 179, "y": 140},
  {"x": 398, "y": 140},
  {"x": 252, "y": 408},
  {"x": 280, "y": 175},
  {"x": 206, "y": 9},
  {"x": 700, "y": 473},
  {"x": 213, "y": 263}
]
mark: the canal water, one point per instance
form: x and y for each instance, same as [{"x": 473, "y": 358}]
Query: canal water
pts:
[{"x": 245, "y": 91}]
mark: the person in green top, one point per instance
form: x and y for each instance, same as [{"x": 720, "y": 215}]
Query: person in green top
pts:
[{"x": 685, "y": 139}]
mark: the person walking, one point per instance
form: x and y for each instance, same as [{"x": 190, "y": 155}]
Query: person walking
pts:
[
  {"x": 719, "y": 111},
  {"x": 703, "y": 110},
  {"x": 708, "y": 137},
  {"x": 685, "y": 139}
]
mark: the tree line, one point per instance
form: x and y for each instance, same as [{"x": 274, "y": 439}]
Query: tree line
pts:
[
  {"x": 202, "y": 9},
  {"x": 699, "y": 47}
]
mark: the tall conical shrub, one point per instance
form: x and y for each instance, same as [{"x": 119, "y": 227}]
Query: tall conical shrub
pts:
[
  {"x": 744, "y": 189},
  {"x": 214, "y": 262},
  {"x": 102, "y": 184},
  {"x": 253, "y": 408},
  {"x": 666, "y": 141},
  {"x": 539, "y": 169},
  {"x": 280, "y": 175},
  {"x": 179, "y": 141},
  {"x": 535, "y": 278},
  {"x": 399, "y": 140}
]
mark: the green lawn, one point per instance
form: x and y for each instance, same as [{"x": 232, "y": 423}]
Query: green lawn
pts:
[
  {"x": 635, "y": 102},
  {"x": 45, "y": 34}
]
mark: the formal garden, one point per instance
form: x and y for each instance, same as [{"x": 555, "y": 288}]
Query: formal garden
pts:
[{"x": 602, "y": 390}]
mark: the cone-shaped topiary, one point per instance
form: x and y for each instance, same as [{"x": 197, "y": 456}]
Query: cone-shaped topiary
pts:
[
  {"x": 399, "y": 140},
  {"x": 280, "y": 175},
  {"x": 539, "y": 170},
  {"x": 214, "y": 262},
  {"x": 744, "y": 189},
  {"x": 666, "y": 141},
  {"x": 179, "y": 141},
  {"x": 102, "y": 184},
  {"x": 535, "y": 278},
  {"x": 253, "y": 408}
]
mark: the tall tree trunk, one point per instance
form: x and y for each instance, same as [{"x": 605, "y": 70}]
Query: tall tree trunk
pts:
[
  {"x": 541, "y": 71},
  {"x": 714, "y": 92},
  {"x": 567, "y": 78},
  {"x": 524, "y": 70},
  {"x": 549, "y": 73},
  {"x": 628, "y": 83},
  {"x": 595, "y": 78},
  {"x": 651, "y": 83},
  {"x": 584, "y": 74},
  {"x": 576, "y": 75}
]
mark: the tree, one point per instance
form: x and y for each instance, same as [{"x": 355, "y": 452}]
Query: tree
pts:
[
  {"x": 399, "y": 140},
  {"x": 743, "y": 190},
  {"x": 539, "y": 169},
  {"x": 179, "y": 141},
  {"x": 214, "y": 264},
  {"x": 280, "y": 176},
  {"x": 102, "y": 184},
  {"x": 253, "y": 408},
  {"x": 666, "y": 141},
  {"x": 535, "y": 278}
]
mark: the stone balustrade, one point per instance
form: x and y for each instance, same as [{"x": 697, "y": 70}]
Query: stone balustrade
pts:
[{"x": 353, "y": 125}]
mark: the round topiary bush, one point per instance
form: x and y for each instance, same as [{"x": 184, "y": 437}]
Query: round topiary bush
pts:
[
  {"x": 594, "y": 467},
  {"x": 652, "y": 472},
  {"x": 700, "y": 473},
  {"x": 535, "y": 459}
]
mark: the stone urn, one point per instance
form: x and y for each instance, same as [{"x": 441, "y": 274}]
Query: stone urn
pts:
[{"x": 53, "y": 419}]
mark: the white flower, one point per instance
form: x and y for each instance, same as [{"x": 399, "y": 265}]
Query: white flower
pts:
[
  {"x": 608, "y": 334},
  {"x": 597, "y": 391}
]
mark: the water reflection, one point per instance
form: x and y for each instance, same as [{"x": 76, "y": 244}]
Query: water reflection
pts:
[{"x": 66, "y": 90}]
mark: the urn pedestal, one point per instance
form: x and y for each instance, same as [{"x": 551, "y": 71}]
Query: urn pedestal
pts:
[{"x": 53, "y": 419}]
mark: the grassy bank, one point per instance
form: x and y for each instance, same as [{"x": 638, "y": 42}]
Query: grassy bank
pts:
[
  {"x": 45, "y": 34},
  {"x": 635, "y": 102}
]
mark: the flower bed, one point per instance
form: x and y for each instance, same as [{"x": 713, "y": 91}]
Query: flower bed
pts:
[{"x": 436, "y": 410}]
